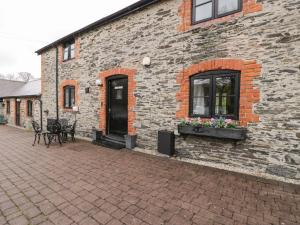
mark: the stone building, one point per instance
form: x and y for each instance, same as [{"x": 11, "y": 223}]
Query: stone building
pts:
[
  {"x": 172, "y": 58},
  {"x": 20, "y": 102}
]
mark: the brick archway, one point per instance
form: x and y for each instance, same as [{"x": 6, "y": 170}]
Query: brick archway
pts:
[
  {"x": 130, "y": 73},
  {"x": 249, "y": 95}
]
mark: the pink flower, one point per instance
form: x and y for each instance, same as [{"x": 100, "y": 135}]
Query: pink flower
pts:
[{"x": 228, "y": 121}]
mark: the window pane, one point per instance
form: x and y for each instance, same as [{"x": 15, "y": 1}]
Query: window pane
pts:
[
  {"x": 225, "y": 96},
  {"x": 203, "y": 12},
  {"x": 72, "y": 97},
  {"x": 201, "y": 97},
  {"x": 199, "y": 2},
  {"x": 29, "y": 108},
  {"x": 72, "y": 51},
  {"x": 67, "y": 98},
  {"x": 66, "y": 53},
  {"x": 225, "y": 6}
]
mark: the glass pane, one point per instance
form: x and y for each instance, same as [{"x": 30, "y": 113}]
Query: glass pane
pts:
[
  {"x": 201, "y": 97},
  {"x": 67, "y": 98},
  {"x": 119, "y": 94},
  {"x": 66, "y": 53},
  {"x": 225, "y": 96},
  {"x": 199, "y": 2},
  {"x": 203, "y": 12},
  {"x": 72, "y": 97},
  {"x": 225, "y": 6},
  {"x": 72, "y": 51}
]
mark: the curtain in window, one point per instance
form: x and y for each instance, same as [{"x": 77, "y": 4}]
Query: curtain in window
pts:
[
  {"x": 225, "y": 6},
  {"x": 201, "y": 97}
]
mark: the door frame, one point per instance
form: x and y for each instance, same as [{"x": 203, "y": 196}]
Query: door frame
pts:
[{"x": 108, "y": 80}]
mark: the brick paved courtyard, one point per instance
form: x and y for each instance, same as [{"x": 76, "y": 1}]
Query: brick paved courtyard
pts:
[{"x": 85, "y": 184}]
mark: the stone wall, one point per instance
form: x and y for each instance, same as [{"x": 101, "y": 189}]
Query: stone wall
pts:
[
  {"x": 268, "y": 35},
  {"x": 25, "y": 120},
  {"x": 1, "y": 109}
]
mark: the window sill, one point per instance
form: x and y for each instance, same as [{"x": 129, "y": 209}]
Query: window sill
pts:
[
  {"x": 68, "y": 60},
  {"x": 207, "y": 23}
]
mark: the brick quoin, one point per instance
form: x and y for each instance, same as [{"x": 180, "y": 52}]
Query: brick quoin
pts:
[
  {"x": 249, "y": 95},
  {"x": 185, "y": 12},
  {"x": 130, "y": 73},
  {"x": 61, "y": 93}
]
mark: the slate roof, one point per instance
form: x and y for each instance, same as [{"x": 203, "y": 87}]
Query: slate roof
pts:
[
  {"x": 115, "y": 16},
  {"x": 10, "y": 88}
]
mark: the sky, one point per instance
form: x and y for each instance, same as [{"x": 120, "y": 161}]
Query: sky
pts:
[{"x": 28, "y": 25}]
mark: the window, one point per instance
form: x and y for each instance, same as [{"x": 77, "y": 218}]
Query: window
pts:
[
  {"x": 69, "y": 97},
  {"x": 215, "y": 94},
  {"x": 69, "y": 51},
  {"x": 204, "y": 10},
  {"x": 29, "y": 108},
  {"x": 8, "y": 107}
]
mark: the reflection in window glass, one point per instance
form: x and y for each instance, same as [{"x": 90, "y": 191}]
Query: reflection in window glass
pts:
[{"x": 225, "y": 96}]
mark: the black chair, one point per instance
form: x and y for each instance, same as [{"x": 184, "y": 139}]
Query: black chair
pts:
[
  {"x": 38, "y": 131},
  {"x": 70, "y": 130},
  {"x": 54, "y": 130}
]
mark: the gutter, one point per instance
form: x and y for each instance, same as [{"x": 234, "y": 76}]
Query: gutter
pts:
[{"x": 56, "y": 85}]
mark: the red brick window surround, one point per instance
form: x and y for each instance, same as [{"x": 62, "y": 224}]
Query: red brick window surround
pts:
[
  {"x": 130, "y": 73},
  {"x": 63, "y": 84},
  {"x": 249, "y": 95},
  {"x": 185, "y": 13},
  {"x": 61, "y": 52}
]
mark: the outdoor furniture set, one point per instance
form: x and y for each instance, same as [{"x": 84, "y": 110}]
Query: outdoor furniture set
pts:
[{"x": 57, "y": 130}]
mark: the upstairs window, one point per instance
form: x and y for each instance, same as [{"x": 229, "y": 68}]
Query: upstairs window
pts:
[
  {"x": 215, "y": 94},
  {"x": 29, "y": 108},
  {"x": 69, "y": 50},
  {"x": 204, "y": 10},
  {"x": 8, "y": 107},
  {"x": 69, "y": 97}
]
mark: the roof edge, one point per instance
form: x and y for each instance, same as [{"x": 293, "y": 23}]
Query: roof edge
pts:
[
  {"x": 21, "y": 96},
  {"x": 110, "y": 18}
]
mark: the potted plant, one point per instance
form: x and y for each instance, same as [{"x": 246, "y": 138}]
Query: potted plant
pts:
[{"x": 216, "y": 128}]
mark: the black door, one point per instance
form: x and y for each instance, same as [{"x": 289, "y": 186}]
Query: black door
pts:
[
  {"x": 18, "y": 113},
  {"x": 117, "y": 105}
]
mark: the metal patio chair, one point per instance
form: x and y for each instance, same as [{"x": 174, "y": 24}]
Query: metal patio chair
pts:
[{"x": 38, "y": 131}]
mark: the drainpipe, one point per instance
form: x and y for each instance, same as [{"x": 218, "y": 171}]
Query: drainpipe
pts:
[{"x": 56, "y": 82}]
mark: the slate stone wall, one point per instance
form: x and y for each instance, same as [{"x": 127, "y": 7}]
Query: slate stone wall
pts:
[{"x": 270, "y": 36}]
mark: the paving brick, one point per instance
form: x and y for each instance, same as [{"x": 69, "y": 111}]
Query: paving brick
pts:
[
  {"x": 88, "y": 221},
  {"x": 102, "y": 217},
  {"x": 115, "y": 222},
  {"x": 21, "y": 220},
  {"x": 150, "y": 194}
]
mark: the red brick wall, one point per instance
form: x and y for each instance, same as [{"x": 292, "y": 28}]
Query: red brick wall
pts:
[
  {"x": 185, "y": 12},
  {"x": 130, "y": 73},
  {"x": 249, "y": 95},
  {"x": 61, "y": 93}
]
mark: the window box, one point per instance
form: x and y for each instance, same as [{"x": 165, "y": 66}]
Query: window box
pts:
[{"x": 237, "y": 134}]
